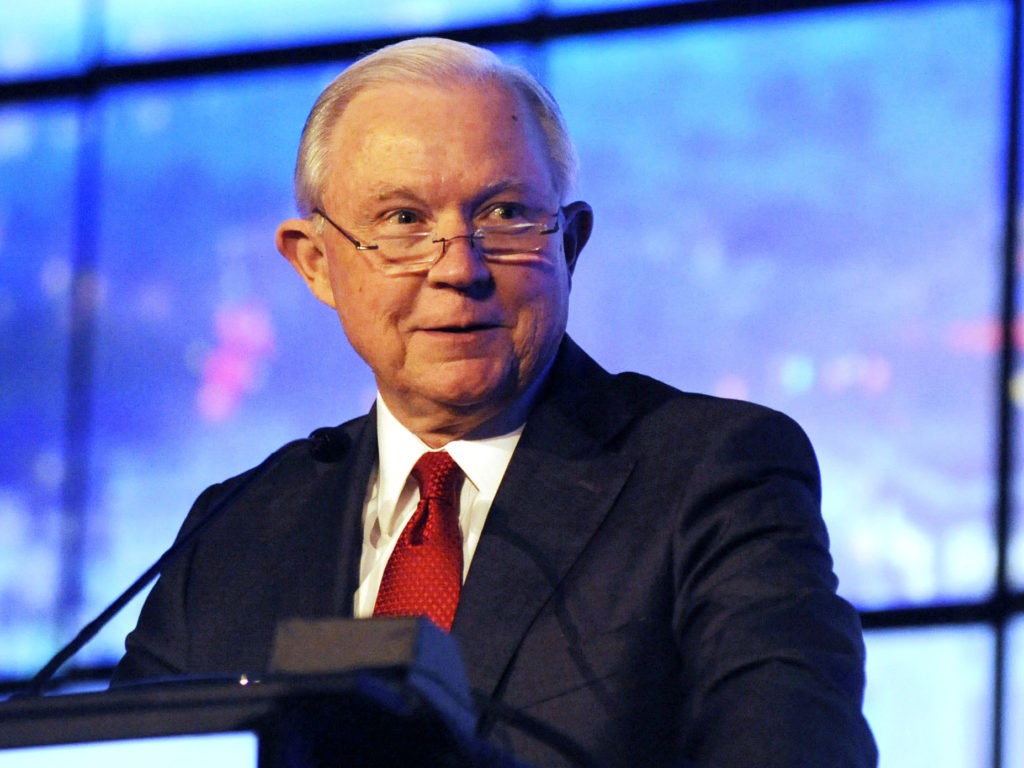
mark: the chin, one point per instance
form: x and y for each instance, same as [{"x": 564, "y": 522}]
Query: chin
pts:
[
  {"x": 484, "y": 396},
  {"x": 473, "y": 380},
  {"x": 469, "y": 398}
]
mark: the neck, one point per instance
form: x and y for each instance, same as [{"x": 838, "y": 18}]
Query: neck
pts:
[{"x": 441, "y": 424}]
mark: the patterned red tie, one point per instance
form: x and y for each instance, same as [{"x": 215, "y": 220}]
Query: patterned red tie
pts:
[{"x": 424, "y": 575}]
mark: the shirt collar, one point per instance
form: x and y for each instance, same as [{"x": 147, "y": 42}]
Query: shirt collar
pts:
[{"x": 483, "y": 461}]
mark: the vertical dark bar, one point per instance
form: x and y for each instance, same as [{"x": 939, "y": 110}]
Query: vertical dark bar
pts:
[
  {"x": 78, "y": 416},
  {"x": 84, "y": 298},
  {"x": 1007, "y": 367}
]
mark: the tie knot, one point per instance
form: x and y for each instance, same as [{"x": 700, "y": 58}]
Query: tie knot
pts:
[{"x": 437, "y": 474}]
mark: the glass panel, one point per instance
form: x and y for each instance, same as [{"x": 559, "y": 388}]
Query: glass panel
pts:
[
  {"x": 803, "y": 211},
  {"x": 804, "y": 238},
  {"x": 225, "y": 750},
  {"x": 163, "y": 28},
  {"x": 37, "y": 210},
  {"x": 211, "y": 352},
  {"x": 1013, "y": 742},
  {"x": 40, "y": 39},
  {"x": 1015, "y": 545},
  {"x": 921, "y": 717}
]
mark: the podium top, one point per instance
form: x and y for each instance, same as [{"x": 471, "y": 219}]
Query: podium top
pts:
[{"x": 155, "y": 709}]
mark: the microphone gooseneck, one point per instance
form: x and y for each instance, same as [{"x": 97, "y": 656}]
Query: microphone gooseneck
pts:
[{"x": 38, "y": 683}]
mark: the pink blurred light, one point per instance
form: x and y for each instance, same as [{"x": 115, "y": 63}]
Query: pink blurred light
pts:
[
  {"x": 232, "y": 369},
  {"x": 980, "y": 337}
]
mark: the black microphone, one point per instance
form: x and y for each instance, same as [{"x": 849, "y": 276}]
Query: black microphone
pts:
[
  {"x": 328, "y": 444},
  {"x": 325, "y": 444}
]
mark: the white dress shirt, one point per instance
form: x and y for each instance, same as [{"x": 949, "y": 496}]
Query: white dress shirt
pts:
[{"x": 393, "y": 494}]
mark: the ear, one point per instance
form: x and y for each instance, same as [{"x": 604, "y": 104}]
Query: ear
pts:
[
  {"x": 579, "y": 221},
  {"x": 298, "y": 241}
]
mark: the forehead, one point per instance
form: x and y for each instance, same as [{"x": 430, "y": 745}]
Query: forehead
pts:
[{"x": 417, "y": 131}]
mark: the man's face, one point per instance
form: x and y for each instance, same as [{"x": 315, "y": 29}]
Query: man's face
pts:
[{"x": 464, "y": 341}]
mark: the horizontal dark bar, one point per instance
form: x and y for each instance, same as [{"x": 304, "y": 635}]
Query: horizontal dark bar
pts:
[
  {"x": 994, "y": 611},
  {"x": 997, "y": 610},
  {"x": 536, "y": 29}
]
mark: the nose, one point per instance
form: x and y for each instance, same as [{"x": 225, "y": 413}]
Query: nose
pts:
[{"x": 461, "y": 263}]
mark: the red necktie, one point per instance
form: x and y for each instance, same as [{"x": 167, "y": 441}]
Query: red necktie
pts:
[{"x": 424, "y": 575}]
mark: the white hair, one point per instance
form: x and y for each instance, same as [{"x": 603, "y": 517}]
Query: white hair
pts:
[{"x": 433, "y": 61}]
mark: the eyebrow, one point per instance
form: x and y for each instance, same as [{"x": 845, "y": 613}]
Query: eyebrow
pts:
[
  {"x": 390, "y": 193},
  {"x": 508, "y": 185},
  {"x": 498, "y": 187}
]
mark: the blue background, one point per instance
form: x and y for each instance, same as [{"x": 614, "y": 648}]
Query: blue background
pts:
[{"x": 800, "y": 209}]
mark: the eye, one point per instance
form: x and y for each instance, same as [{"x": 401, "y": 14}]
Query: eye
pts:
[
  {"x": 503, "y": 212},
  {"x": 403, "y": 216},
  {"x": 400, "y": 222}
]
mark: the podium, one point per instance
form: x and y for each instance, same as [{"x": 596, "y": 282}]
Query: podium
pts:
[{"x": 340, "y": 693}]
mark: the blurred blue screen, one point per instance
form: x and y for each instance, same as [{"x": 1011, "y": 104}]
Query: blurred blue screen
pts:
[
  {"x": 775, "y": 221},
  {"x": 44, "y": 39},
  {"x": 798, "y": 209},
  {"x": 161, "y": 28},
  {"x": 225, "y": 750},
  {"x": 778, "y": 218},
  {"x": 925, "y": 717}
]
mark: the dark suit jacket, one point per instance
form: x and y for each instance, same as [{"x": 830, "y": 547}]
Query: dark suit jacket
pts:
[{"x": 653, "y": 580}]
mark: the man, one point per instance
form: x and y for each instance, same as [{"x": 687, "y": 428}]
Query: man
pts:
[{"x": 644, "y": 571}]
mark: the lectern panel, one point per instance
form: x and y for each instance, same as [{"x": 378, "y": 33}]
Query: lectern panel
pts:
[{"x": 225, "y": 750}]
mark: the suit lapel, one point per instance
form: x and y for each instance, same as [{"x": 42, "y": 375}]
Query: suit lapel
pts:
[
  {"x": 559, "y": 486},
  {"x": 336, "y": 506}
]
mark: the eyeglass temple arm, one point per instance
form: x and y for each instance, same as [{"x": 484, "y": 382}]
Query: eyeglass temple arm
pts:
[{"x": 358, "y": 245}]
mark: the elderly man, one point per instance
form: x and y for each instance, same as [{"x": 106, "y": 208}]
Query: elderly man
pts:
[{"x": 643, "y": 571}]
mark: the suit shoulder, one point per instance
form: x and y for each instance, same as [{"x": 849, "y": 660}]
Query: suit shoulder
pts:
[
  {"x": 652, "y": 397},
  {"x": 665, "y": 413}
]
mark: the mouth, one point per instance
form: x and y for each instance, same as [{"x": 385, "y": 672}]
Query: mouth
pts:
[
  {"x": 462, "y": 328},
  {"x": 473, "y": 328}
]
